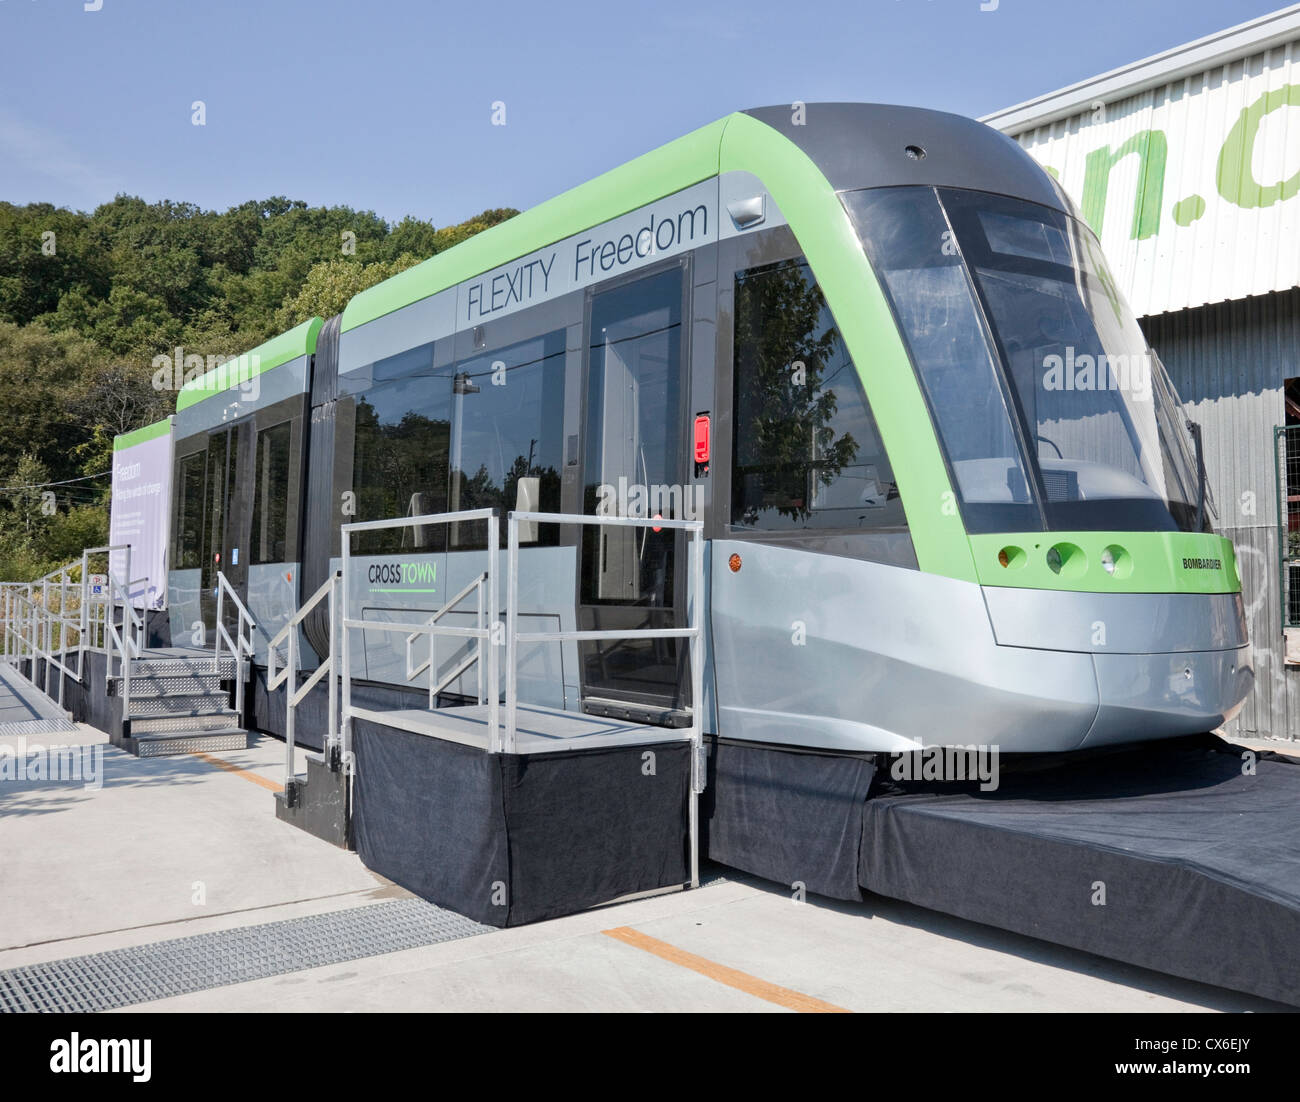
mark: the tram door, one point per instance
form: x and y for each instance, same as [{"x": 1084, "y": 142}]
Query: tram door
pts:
[
  {"x": 634, "y": 465},
  {"x": 227, "y": 520}
]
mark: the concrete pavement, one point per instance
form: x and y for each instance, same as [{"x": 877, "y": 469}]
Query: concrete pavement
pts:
[{"x": 169, "y": 847}]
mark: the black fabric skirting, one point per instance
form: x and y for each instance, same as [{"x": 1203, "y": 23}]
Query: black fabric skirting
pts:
[
  {"x": 787, "y": 815},
  {"x": 1173, "y": 858},
  {"x": 513, "y": 838}
]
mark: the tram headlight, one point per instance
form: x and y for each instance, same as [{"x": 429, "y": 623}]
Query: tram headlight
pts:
[
  {"x": 1054, "y": 560},
  {"x": 1117, "y": 562}
]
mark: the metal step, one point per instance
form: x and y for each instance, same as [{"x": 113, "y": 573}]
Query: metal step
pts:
[
  {"x": 177, "y": 704},
  {"x": 167, "y": 685},
  {"x": 161, "y": 744},
  {"x": 224, "y": 719},
  {"x": 181, "y": 667}
]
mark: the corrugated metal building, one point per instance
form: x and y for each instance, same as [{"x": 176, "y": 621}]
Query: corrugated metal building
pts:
[{"x": 1187, "y": 164}]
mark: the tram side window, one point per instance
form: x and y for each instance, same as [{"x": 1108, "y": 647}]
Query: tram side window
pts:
[
  {"x": 507, "y": 424},
  {"x": 188, "y": 537},
  {"x": 807, "y": 453},
  {"x": 271, "y": 521},
  {"x": 400, "y": 457}
]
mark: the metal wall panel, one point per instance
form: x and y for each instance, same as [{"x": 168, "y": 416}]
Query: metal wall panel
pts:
[
  {"x": 1203, "y": 239},
  {"x": 1230, "y": 362}
]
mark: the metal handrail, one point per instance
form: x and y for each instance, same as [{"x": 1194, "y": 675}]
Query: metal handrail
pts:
[
  {"x": 432, "y": 629},
  {"x": 38, "y": 618},
  {"x": 502, "y": 737},
  {"x": 38, "y": 626},
  {"x": 242, "y": 645},
  {"x": 693, "y": 631},
  {"x": 475, "y": 656},
  {"x": 296, "y": 694},
  {"x": 126, "y": 643}
]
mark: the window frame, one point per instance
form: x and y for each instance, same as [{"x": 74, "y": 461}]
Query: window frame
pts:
[{"x": 779, "y": 247}]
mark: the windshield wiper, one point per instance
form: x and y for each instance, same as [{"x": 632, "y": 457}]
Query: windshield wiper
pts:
[{"x": 1195, "y": 430}]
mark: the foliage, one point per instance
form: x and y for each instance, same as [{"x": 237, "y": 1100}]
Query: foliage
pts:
[{"x": 88, "y": 300}]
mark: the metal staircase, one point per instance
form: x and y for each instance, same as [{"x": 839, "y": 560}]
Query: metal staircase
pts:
[{"x": 178, "y": 703}]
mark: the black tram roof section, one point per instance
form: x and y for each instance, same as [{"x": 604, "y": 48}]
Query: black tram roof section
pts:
[{"x": 866, "y": 145}]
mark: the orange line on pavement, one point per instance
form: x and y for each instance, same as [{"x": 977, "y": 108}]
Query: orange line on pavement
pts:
[
  {"x": 741, "y": 981},
  {"x": 274, "y": 786}
]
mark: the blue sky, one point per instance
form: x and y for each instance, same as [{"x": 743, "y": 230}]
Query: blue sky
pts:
[{"x": 387, "y": 105}]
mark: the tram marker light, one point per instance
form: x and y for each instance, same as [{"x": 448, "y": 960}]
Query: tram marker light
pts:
[{"x": 1011, "y": 557}]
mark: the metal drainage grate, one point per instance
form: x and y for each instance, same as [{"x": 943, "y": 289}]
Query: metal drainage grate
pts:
[{"x": 122, "y": 977}]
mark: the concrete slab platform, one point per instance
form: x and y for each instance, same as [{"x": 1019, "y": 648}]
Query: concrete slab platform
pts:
[
  {"x": 733, "y": 946},
  {"x": 159, "y": 841},
  {"x": 169, "y": 847}
]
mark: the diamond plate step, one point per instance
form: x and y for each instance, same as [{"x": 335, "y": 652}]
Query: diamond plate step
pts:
[
  {"x": 50, "y": 726},
  {"x": 159, "y": 685},
  {"x": 163, "y": 744},
  {"x": 217, "y": 719},
  {"x": 181, "y": 667},
  {"x": 175, "y": 704}
]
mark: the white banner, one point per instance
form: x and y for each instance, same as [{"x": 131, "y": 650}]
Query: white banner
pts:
[{"x": 141, "y": 511}]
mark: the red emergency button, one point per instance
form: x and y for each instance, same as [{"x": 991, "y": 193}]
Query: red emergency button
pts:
[{"x": 702, "y": 438}]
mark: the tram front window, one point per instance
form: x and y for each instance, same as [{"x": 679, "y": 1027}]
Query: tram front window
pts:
[{"x": 974, "y": 277}]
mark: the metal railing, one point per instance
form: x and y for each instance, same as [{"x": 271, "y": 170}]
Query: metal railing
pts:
[
  {"x": 126, "y": 643},
  {"x": 56, "y": 619},
  {"x": 693, "y": 631},
  {"x": 239, "y": 646},
  {"x": 296, "y": 693},
  {"x": 475, "y": 656},
  {"x": 36, "y": 639},
  {"x": 432, "y": 628},
  {"x": 503, "y": 731}
]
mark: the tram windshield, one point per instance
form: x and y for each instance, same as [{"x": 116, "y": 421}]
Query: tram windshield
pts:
[{"x": 1052, "y": 410}]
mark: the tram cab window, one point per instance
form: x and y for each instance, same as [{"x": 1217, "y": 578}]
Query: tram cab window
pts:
[
  {"x": 272, "y": 530},
  {"x": 807, "y": 453},
  {"x": 1051, "y": 409}
]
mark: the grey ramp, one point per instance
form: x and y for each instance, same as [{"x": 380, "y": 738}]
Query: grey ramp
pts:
[
  {"x": 1198, "y": 859},
  {"x": 142, "y": 973},
  {"x": 25, "y": 709}
]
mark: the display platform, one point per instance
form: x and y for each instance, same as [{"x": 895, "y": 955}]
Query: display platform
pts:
[
  {"x": 513, "y": 838},
  {"x": 1180, "y": 857}
]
